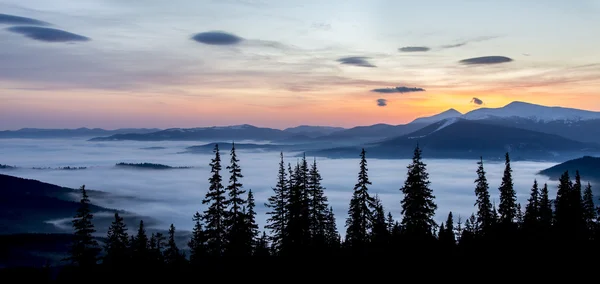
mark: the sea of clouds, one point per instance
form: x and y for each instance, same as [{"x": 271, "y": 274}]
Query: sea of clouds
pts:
[{"x": 173, "y": 196}]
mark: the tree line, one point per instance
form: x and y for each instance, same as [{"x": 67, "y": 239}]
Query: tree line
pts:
[{"x": 301, "y": 223}]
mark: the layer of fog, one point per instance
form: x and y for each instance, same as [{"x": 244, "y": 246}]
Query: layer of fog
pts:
[{"x": 173, "y": 196}]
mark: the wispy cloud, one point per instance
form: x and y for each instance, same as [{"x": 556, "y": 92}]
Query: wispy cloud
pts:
[
  {"x": 356, "y": 61},
  {"x": 18, "y": 20},
  {"x": 47, "y": 34},
  {"x": 401, "y": 89},
  {"x": 217, "y": 38},
  {"x": 414, "y": 49},
  {"x": 463, "y": 43},
  {"x": 485, "y": 60},
  {"x": 381, "y": 102}
]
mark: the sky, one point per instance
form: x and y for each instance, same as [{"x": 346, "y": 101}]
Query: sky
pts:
[{"x": 283, "y": 63}]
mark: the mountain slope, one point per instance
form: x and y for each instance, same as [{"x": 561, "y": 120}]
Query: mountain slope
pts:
[
  {"x": 451, "y": 113},
  {"x": 533, "y": 112},
  {"x": 588, "y": 167},
  {"x": 41, "y": 133},
  {"x": 459, "y": 138},
  {"x": 236, "y": 132},
  {"x": 313, "y": 131}
]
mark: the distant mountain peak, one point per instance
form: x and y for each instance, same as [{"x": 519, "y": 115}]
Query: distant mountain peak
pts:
[
  {"x": 450, "y": 113},
  {"x": 535, "y": 112}
]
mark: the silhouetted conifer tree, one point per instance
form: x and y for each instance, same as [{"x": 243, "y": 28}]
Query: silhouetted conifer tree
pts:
[
  {"x": 278, "y": 204},
  {"x": 140, "y": 245},
  {"x": 318, "y": 207},
  {"x": 197, "y": 242},
  {"x": 450, "y": 237},
  {"x": 519, "y": 216},
  {"x": 379, "y": 233},
  {"x": 250, "y": 226},
  {"x": 332, "y": 235},
  {"x": 532, "y": 211},
  {"x": 234, "y": 219},
  {"x": 545, "y": 211},
  {"x": 484, "y": 204},
  {"x": 418, "y": 205},
  {"x": 298, "y": 234},
  {"x": 359, "y": 213},
  {"x": 508, "y": 196},
  {"x": 589, "y": 211},
  {"x": 172, "y": 254},
  {"x": 565, "y": 220},
  {"x": 577, "y": 206},
  {"x": 117, "y": 244},
  {"x": 214, "y": 216},
  {"x": 84, "y": 249}
]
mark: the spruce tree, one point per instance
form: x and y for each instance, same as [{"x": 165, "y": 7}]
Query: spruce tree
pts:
[
  {"x": 250, "y": 226},
  {"x": 589, "y": 210},
  {"x": 234, "y": 219},
  {"x": 214, "y": 216},
  {"x": 297, "y": 229},
  {"x": 508, "y": 196},
  {"x": 418, "y": 205},
  {"x": 532, "y": 209},
  {"x": 359, "y": 213},
  {"x": 451, "y": 238},
  {"x": 117, "y": 244},
  {"x": 197, "y": 242},
  {"x": 278, "y": 203},
  {"x": 172, "y": 255},
  {"x": 379, "y": 234},
  {"x": 483, "y": 203},
  {"x": 565, "y": 221},
  {"x": 84, "y": 248},
  {"x": 140, "y": 245},
  {"x": 545, "y": 210},
  {"x": 332, "y": 236},
  {"x": 262, "y": 247},
  {"x": 318, "y": 207},
  {"x": 577, "y": 206}
]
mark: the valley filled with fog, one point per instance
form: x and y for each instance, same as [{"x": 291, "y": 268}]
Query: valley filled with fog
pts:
[{"x": 174, "y": 195}]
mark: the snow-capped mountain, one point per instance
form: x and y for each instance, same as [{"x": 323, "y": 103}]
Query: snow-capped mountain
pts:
[
  {"x": 537, "y": 113},
  {"x": 451, "y": 113}
]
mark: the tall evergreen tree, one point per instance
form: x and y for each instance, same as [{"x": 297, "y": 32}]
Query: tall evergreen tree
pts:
[
  {"x": 359, "y": 213},
  {"x": 214, "y": 216},
  {"x": 262, "y": 247},
  {"x": 140, "y": 245},
  {"x": 532, "y": 209},
  {"x": 278, "y": 203},
  {"x": 117, "y": 244},
  {"x": 298, "y": 234},
  {"x": 418, "y": 205},
  {"x": 545, "y": 210},
  {"x": 565, "y": 221},
  {"x": 508, "y": 196},
  {"x": 250, "y": 226},
  {"x": 318, "y": 207},
  {"x": 379, "y": 233},
  {"x": 589, "y": 210},
  {"x": 234, "y": 219},
  {"x": 332, "y": 236},
  {"x": 483, "y": 203},
  {"x": 450, "y": 228},
  {"x": 197, "y": 242},
  {"x": 173, "y": 256},
  {"x": 577, "y": 206},
  {"x": 84, "y": 249}
]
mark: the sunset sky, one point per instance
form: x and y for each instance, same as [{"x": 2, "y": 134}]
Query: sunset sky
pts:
[{"x": 282, "y": 63}]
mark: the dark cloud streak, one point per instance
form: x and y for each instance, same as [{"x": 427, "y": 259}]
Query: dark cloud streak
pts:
[
  {"x": 401, "y": 89},
  {"x": 47, "y": 34},
  {"x": 414, "y": 49},
  {"x": 356, "y": 61},
  {"x": 17, "y": 20},
  {"x": 217, "y": 38},
  {"x": 381, "y": 102},
  {"x": 485, "y": 60},
  {"x": 476, "y": 101}
]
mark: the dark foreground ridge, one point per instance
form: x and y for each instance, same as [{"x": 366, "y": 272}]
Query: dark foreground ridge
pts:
[
  {"x": 301, "y": 226},
  {"x": 151, "y": 166}
]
